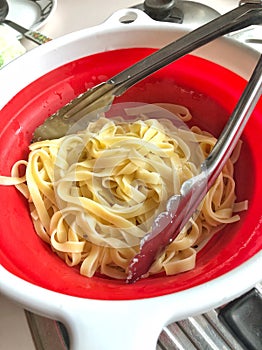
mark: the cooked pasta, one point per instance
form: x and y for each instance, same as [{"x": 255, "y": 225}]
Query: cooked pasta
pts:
[{"x": 93, "y": 195}]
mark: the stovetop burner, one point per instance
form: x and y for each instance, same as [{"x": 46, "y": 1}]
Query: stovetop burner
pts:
[{"x": 188, "y": 13}]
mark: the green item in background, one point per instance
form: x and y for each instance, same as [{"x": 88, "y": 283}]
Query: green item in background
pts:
[{"x": 10, "y": 46}]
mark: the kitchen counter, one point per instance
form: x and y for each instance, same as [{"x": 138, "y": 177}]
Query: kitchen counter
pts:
[{"x": 70, "y": 15}]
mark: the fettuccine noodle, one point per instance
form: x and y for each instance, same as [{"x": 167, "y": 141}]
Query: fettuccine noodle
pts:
[{"x": 94, "y": 195}]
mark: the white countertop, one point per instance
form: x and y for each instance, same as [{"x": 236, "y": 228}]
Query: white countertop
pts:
[{"x": 70, "y": 15}]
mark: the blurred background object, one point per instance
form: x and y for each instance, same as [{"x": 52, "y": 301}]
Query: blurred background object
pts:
[{"x": 10, "y": 46}]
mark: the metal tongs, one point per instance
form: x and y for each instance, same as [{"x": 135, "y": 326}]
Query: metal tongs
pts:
[
  {"x": 248, "y": 13},
  {"x": 180, "y": 208}
]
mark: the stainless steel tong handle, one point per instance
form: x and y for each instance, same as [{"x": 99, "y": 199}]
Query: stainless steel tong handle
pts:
[
  {"x": 236, "y": 124},
  {"x": 247, "y": 14},
  {"x": 102, "y": 95},
  {"x": 181, "y": 208}
]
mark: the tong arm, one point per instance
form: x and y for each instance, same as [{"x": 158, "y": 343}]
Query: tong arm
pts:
[
  {"x": 101, "y": 96},
  {"x": 250, "y": 13},
  {"x": 181, "y": 208}
]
